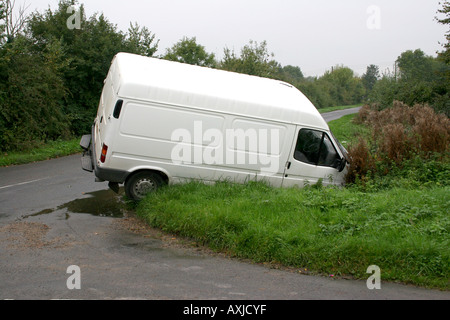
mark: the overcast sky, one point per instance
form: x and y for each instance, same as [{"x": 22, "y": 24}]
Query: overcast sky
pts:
[{"x": 312, "y": 34}]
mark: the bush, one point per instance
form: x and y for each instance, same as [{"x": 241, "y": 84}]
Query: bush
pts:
[
  {"x": 32, "y": 92},
  {"x": 399, "y": 135}
]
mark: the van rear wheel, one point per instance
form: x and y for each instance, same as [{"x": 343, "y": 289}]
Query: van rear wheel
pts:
[{"x": 142, "y": 183}]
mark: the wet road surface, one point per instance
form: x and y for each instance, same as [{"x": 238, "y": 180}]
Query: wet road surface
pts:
[{"x": 53, "y": 215}]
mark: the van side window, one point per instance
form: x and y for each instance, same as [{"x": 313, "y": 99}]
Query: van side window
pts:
[{"x": 315, "y": 147}]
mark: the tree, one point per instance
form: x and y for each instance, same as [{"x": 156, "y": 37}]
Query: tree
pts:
[
  {"x": 415, "y": 65},
  {"x": 2, "y": 17},
  {"x": 90, "y": 50},
  {"x": 141, "y": 41},
  {"x": 254, "y": 59},
  {"x": 370, "y": 77},
  {"x": 317, "y": 91},
  {"x": 51, "y": 75},
  {"x": 445, "y": 55},
  {"x": 14, "y": 23},
  {"x": 422, "y": 80},
  {"x": 188, "y": 51},
  {"x": 343, "y": 86},
  {"x": 291, "y": 74},
  {"x": 33, "y": 92}
]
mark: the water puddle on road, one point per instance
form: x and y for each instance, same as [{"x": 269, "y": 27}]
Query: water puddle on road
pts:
[{"x": 103, "y": 203}]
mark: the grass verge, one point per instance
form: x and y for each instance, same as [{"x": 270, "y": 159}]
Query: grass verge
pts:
[
  {"x": 347, "y": 131},
  {"x": 325, "y": 230},
  {"x": 52, "y": 149}
]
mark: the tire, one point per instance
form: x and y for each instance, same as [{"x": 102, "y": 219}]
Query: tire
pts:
[{"x": 140, "y": 184}]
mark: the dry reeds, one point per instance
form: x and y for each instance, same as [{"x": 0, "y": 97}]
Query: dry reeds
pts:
[{"x": 397, "y": 134}]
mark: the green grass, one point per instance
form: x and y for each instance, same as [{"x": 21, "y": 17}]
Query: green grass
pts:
[
  {"x": 325, "y": 230},
  {"x": 53, "y": 149},
  {"x": 329, "y": 109},
  {"x": 346, "y": 130}
]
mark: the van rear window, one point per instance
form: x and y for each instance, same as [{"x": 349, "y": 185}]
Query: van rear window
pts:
[{"x": 117, "y": 109}]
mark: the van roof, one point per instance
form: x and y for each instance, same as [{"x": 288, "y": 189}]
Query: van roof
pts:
[{"x": 169, "y": 82}]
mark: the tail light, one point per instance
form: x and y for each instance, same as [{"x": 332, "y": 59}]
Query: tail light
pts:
[{"x": 104, "y": 151}]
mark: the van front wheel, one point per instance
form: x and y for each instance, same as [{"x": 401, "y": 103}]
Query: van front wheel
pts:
[{"x": 142, "y": 183}]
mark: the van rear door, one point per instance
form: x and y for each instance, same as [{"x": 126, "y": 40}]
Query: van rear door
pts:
[{"x": 104, "y": 114}]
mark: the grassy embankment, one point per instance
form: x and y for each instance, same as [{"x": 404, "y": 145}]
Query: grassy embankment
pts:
[
  {"x": 52, "y": 149},
  {"x": 401, "y": 226}
]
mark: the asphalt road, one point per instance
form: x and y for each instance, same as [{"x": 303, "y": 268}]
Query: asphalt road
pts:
[
  {"x": 334, "y": 115},
  {"x": 53, "y": 215}
]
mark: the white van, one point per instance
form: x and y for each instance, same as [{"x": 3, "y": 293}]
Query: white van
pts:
[{"x": 163, "y": 122}]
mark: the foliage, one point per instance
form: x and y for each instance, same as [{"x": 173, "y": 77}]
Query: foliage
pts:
[
  {"x": 318, "y": 92},
  {"x": 445, "y": 55},
  {"x": 140, "y": 40},
  {"x": 400, "y": 136},
  {"x": 52, "y": 76},
  {"x": 420, "y": 79},
  {"x": 348, "y": 130},
  {"x": 2, "y": 24},
  {"x": 371, "y": 77},
  {"x": 188, "y": 51},
  {"x": 343, "y": 87},
  {"x": 32, "y": 93},
  {"x": 336, "y": 87},
  {"x": 41, "y": 151},
  {"x": 90, "y": 50},
  {"x": 254, "y": 59},
  {"x": 315, "y": 229},
  {"x": 291, "y": 74}
]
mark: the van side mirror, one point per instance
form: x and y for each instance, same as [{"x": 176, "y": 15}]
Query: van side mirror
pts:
[{"x": 341, "y": 164}]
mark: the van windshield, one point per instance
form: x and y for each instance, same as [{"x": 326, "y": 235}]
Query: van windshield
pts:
[{"x": 341, "y": 148}]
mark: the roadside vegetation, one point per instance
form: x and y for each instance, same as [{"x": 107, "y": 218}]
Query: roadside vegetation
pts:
[
  {"x": 317, "y": 230},
  {"x": 44, "y": 151},
  {"x": 409, "y": 141}
]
